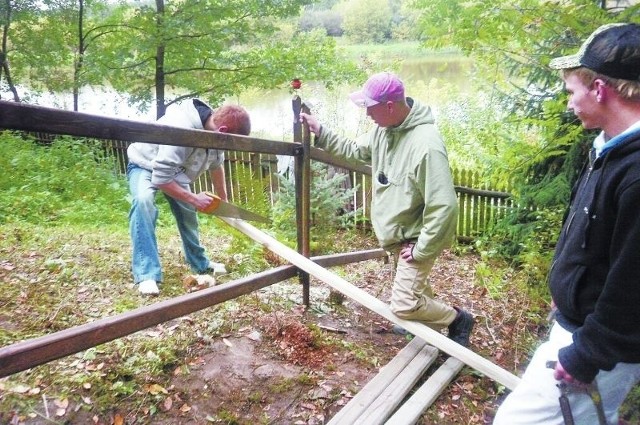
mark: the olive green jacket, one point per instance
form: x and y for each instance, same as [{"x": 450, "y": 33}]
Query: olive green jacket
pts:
[{"x": 413, "y": 195}]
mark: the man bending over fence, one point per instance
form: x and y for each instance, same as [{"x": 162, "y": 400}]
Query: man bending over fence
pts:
[{"x": 171, "y": 169}]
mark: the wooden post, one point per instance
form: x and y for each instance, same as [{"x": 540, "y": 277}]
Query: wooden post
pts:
[
  {"x": 302, "y": 173},
  {"x": 431, "y": 336}
]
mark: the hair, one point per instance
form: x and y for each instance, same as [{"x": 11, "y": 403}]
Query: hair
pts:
[
  {"x": 627, "y": 89},
  {"x": 235, "y": 117}
]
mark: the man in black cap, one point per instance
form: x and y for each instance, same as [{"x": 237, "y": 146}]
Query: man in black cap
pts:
[
  {"x": 592, "y": 357},
  {"x": 171, "y": 169}
]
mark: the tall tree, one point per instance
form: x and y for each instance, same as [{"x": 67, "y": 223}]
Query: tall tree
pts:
[
  {"x": 10, "y": 12},
  {"x": 513, "y": 42},
  {"x": 213, "y": 50}
]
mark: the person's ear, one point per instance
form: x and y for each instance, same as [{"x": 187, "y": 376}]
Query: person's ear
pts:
[
  {"x": 600, "y": 87},
  {"x": 223, "y": 129}
]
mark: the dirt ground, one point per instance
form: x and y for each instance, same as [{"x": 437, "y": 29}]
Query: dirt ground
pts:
[
  {"x": 285, "y": 364},
  {"x": 301, "y": 366}
]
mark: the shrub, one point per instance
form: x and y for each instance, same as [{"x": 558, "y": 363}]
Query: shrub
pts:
[
  {"x": 329, "y": 202},
  {"x": 68, "y": 181}
]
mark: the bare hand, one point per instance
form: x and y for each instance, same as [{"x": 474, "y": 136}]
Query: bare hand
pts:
[
  {"x": 406, "y": 253},
  {"x": 560, "y": 374},
  {"x": 202, "y": 201},
  {"x": 312, "y": 122}
]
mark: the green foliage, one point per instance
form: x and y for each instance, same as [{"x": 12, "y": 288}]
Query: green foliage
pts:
[
  {"x": 70, "y": 181},
  {"x": 329, "y": 197},
  {"x": 152, "y": 51},
  {"x": 231, "y": 47},
  {"x": 526, "y": 139},
  {"x": 329, "y": 20},
  {"x": 629, "y": 411},
  {"x": 526, "y": 238},
  {"x": 367, "y": 21}
]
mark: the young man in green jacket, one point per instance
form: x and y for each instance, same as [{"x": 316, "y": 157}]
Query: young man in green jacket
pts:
[{"x": 414, "y": 206}]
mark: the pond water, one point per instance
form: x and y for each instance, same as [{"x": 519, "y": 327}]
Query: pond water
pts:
[
  {"x": 425, "y": 79},
  {"x": 271, "y": 111}
]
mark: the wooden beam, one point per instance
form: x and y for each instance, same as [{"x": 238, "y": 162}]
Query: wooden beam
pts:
[
  {"x": 27, "y": 354},
  {"x": 393, "y": 394},
  {"x": 372, "y": 303},
  {"x": 37, "y": 351},
  {"x": 21, "y": 116},
  {"x": 327, "y": 158},
  {"x": 382, "y": 394}
]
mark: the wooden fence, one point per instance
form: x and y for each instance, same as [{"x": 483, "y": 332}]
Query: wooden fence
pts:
[{"x": 479, "y": 203}]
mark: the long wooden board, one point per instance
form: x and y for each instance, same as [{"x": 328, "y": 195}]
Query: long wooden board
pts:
[{"x": 431, "y": 336}]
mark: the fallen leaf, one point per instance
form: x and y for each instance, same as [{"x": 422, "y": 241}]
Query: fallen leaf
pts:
[
  {"x": 155, "y": 389},
  {"x": 118, "y": 419},
  {"x": 227, "y": 342},
  {"x": 63, "y": 404},
  {"x": 168, "y": 404},
  {"x": 185, "y": 408},
  {"x": 61, "y": 412}
]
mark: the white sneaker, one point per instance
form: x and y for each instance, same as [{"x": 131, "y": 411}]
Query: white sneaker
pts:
[
  {"x": 218, "y": 268},
  {"x": 148, "y": 287}
]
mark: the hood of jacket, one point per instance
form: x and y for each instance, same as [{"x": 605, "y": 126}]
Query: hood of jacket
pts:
[{"x": 167, "y": 162}]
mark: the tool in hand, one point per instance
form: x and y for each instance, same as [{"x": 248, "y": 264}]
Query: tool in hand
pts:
[
  {"x": 591, "y": 389},
  {"x": 225, "y": 209}
]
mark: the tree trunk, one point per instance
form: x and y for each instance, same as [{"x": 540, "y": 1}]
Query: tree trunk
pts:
[
  {"x": 4, "y": 62},
  {"x": 77, "y": 67},
  {"x": 159, "y": 77}
]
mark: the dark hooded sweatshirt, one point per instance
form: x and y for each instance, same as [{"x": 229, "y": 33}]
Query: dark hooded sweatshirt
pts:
[{"x": 595, "y": 277}]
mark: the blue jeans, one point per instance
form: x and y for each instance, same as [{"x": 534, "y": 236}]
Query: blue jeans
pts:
[{"x": 142, "y": 227}]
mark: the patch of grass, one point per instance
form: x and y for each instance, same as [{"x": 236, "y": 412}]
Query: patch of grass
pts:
[
  {"x": 54, "y": 278},
  {"x": 406, "y": 50},
  {"x": 282, "y": 386},
  {"x": 306, "y": 379}
]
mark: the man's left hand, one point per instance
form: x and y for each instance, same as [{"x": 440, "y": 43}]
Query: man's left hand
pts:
[
  {"x": 560, "y": 374},
  {"x": 406, "y": 253}
]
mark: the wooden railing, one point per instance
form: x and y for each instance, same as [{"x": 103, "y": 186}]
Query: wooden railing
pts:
[{"x": 34, "y": 119}]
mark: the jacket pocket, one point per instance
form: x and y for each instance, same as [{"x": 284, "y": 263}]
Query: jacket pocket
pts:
[{"x": 574, "y": 289}]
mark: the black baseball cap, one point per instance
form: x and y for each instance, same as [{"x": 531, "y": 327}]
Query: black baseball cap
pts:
[{"x": 612, "y": 50}]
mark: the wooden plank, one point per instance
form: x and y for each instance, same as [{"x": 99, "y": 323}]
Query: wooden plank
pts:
[
  {"x": 26, "y": 354},
  {"x": 411, "y": 410},
  {"x": 384, "y": 405},
  {"x": 21, "y": 116},
  {"x": 433, "y": 337},
  {"x": 348, "y": 414}
]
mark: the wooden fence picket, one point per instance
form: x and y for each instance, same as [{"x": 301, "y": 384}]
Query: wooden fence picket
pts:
[{"x": 480, "y": 203}]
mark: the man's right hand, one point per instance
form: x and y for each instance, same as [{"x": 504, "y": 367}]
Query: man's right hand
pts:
[
  {"x": 312, "y": 123},
  {"x": 202, "y": 201}
]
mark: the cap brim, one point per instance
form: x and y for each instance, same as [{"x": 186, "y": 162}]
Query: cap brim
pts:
[
  {"x": 565, "y": 62},
  {"x": 362, "y": 100}
]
